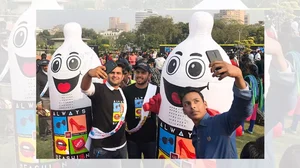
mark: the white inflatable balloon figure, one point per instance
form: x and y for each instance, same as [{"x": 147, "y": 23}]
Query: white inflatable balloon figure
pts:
[
  {"x": 221, "y": 4},
  {"x": 22, "y": 58},
  {"x": 188, "y": 65},
  {"x": 70, "y": 108}
]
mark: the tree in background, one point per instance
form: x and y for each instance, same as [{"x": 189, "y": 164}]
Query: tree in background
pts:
[{"x": 154, "y": 31}]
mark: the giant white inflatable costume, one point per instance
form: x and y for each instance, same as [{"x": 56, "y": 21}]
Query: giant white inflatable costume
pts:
[
  {"x": 188, "y": 65},
  {"x": 22, "y": 59},
  {"x": 70, "y": 108}
]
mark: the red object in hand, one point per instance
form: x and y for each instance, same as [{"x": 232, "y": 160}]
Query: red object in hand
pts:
[
  {"x": 239, "y": 131},
  {"x": 154, "y": 104}
]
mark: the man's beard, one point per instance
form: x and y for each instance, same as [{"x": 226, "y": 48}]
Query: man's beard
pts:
[{"x": 142, "y": 83}]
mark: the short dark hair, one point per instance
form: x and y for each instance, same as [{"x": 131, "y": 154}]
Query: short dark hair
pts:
[
  {"x": 121, "y": 65},
  {"x": 44, "y": 56},
  {"x": 254, "y": 149},
  {"x": 126, "y": 65},
  {"x": 187, "y": 90}
]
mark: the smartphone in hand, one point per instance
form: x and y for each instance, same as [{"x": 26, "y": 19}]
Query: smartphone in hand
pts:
[
  {"x": 110, "y": 66},
  {"x": 214, "y": 55}
]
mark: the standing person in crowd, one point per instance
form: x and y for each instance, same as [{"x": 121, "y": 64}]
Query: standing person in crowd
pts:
[
  {"x": 232, "y": 59},
  {"x": 110, "y": 57},
  {"x": 251, "y": 56},
  {"x": 261, "y": 66},
  {"x": 155, "y": 77},
  {"x": 42, "y": 96},
  {"x": 257, "y": 56},
  {"x": 141, "y": 125},
  {"x": 250, "y": 74},
  {"x": 140, "y": 56},
  {"x": 214, "y": 137},
  {"x": 159, "y": 62},
  {"x": 127, "y": 73},
  {"x": 108, "y": 139},
  {"x": 102, "y": 59},
  {"x": 132, "y": 59}
]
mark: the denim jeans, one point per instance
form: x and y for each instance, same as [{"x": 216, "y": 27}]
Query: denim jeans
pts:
[
  {"x": 135, "y": 150},
  {"x": 100, "y": 153}
]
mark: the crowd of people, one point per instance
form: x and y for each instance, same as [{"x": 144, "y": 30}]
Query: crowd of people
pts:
[{"x": 136, "y": 80}]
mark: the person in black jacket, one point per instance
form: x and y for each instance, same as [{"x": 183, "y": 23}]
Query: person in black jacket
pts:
[{"x": 42, "y": 100}]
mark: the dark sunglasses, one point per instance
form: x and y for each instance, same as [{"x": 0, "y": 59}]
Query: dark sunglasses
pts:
[
  {"x": 63, "y": 122},
  {"x": 165, "y": 140}
]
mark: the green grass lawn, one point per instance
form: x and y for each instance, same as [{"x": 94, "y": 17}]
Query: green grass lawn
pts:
[
  {"x": 45, "y": 148},
  {"x": 242, "y": 140}
]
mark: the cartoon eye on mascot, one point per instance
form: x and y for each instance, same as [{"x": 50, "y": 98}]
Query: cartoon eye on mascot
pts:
[
  {"x": 70, "y": 108},
  {"x": 22, "y": 68},
  {"x": 188, "y": 65}
]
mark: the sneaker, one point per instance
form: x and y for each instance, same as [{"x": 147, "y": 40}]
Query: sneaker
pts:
[{"x": 250, "y": 132}]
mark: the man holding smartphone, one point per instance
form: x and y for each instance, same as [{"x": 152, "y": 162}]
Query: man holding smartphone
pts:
[
  {"x": 214, "y": 137},
  {"x": 109, "y": 106}
]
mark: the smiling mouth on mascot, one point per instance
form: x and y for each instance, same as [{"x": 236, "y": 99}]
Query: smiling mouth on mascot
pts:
[
  {"x": 27, "y": 66},
  {"x": 73, "y": 62},
  {"x": 172, "y": 92},
  {"x": 66, "y": 85}
]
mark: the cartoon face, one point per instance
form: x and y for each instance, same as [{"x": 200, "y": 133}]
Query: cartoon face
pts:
[
  {"x": 21, "y": 45},
  {"x": 69, "y": 63},
  {"x": 66, "y": 68},
  {"x": 188, "y": 66},
  {"x": 192, "y": 68},
  {"x": 22, "y": 53}
]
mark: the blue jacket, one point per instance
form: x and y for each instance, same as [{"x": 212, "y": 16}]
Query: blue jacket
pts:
[{"x": 214, "y": 137}]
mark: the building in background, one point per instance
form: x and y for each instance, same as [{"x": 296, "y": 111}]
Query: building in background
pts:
[
  {"x": 238, "y": 15},
  {"x": 113, "y": 22},
  {"x": 124, "y": 26},
  {"x": 141, "y": 15},
  {"x": 247, "y": 19},
  {"x": 111, "y": 33}
]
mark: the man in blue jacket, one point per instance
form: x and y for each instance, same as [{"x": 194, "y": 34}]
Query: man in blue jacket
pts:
[{"x": 214, "y": 137}]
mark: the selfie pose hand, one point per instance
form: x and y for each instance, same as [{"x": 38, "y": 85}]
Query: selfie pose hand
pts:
[{"x": 98, "y": 72}]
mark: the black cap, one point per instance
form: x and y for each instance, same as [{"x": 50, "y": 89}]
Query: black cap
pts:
[
  {"x": 43, "y": 62},
  {"x": 144, "y": 66}
]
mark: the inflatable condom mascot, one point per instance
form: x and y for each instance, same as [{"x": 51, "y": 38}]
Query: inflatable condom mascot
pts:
[
  {"x": 188, "y": 65},
  {"x": 70, "y": 108},
  {"x": 22, "y": 68}
]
